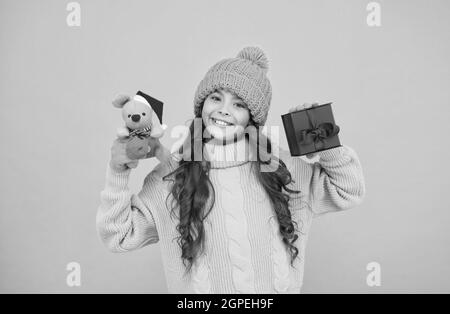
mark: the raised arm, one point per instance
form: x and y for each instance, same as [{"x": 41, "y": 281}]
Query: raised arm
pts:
[
  {"x": 124, "y": 222},
  {"x": 335, "y": 182}
]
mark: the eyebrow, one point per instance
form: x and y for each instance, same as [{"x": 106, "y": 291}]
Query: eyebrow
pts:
[{"x": 220, "y": 92}]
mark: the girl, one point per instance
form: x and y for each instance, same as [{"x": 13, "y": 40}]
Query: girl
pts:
[{"x": 240, "y": 222}]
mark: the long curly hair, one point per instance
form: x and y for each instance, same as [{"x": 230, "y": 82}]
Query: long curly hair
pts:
[{"x": 192, "y": 189}]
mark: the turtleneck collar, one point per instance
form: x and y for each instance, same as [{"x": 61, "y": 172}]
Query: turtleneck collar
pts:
[{"x": 229, "y": 155}]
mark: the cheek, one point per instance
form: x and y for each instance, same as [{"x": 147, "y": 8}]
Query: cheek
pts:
[
  {"x": 207, "y": 107},
  {"x": 242, "y": 117},
  {"x": 206, "y": 111}
]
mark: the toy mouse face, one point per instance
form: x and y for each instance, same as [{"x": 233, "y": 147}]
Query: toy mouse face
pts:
[{"x": 138, "y": 115}]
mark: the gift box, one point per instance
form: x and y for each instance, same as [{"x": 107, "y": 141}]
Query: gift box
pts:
[{"x": 311, "y": 130}]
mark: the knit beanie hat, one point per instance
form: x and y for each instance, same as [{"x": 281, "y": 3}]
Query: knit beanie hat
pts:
[{"x": 245, "y": 75}]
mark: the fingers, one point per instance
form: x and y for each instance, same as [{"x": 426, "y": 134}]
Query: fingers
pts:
[
  {"x": 122, "y": 137},
  {"x": 122, "y": 140},
  {"x": 153, "y": 142},
  {"x": 119, "y": 141},
  {"x": 133, "y": 164},
  {"x": 154, "y": 146},
  {"x": 310, "y": 105},
  {"x": 296, "y": 108},
  {"x": 150, "y": 154},
  {"x": 304, "y": 106}
]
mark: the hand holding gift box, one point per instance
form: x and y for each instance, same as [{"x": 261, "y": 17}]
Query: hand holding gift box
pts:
[
  {"x": 303, "y": 107},
  {"x": 310, "y": 128}
]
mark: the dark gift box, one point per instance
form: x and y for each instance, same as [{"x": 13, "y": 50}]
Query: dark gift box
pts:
[{"x": 311, "y": 130}]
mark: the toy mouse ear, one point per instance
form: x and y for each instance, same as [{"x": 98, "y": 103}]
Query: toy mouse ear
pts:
[{"x": 120, "y": 101}]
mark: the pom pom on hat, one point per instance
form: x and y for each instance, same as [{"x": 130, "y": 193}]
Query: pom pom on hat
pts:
[{"x": 255, "y": 55}]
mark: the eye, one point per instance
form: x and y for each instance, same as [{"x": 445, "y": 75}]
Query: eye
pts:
[
  {"x": 143, "y": 113},
  {"x": 240, "y": 105},
  {"x": 215, "y": 98},
  {"x": 129, "y": 116}
]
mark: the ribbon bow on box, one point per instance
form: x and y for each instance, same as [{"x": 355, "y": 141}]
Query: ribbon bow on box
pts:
[{"x": 318, "y": 132}]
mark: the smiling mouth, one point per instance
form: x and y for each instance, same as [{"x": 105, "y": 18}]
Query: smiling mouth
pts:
[{"x": 221, "y": 122}]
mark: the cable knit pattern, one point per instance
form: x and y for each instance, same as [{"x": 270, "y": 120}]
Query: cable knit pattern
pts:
[
  {"x": 280, "y": 258},
  {"x": 244, "y": 252},
  {"x": 237, "y": 230}
]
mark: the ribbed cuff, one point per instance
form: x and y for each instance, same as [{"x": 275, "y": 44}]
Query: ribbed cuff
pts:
[
  {"x": 117, "y": 179},
  {"x": 332, "y": 154}
]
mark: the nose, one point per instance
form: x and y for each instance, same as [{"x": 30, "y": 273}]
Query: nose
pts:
[
  {"x": 136, "y": 117},
  {"x": 223, "y": 110}
]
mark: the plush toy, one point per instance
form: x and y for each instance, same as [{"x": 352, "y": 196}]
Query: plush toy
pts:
[{"x": 143, "y": 120}]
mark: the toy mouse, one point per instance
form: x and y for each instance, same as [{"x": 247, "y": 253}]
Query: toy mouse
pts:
[{"x": 143, "y": 120}]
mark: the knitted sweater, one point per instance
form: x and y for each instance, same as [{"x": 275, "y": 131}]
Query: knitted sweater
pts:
[{"x": 244, "y": 252}]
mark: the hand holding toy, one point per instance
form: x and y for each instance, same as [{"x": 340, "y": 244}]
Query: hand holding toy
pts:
[{"x": 143, "y": 117}]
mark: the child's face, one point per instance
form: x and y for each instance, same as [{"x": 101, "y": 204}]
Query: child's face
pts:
[{"x": 224, "y": 115}]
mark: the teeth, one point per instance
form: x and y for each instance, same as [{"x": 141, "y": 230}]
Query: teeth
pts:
[{"x": 220, "y": 122}]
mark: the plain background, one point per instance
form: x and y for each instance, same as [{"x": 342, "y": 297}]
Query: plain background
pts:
[{"x": 389, "y": 85}]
